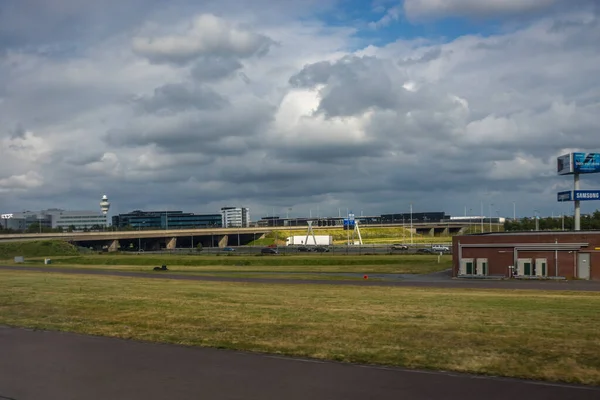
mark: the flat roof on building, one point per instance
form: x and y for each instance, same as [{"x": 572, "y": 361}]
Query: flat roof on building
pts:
[{"x": 524, "y": 233}]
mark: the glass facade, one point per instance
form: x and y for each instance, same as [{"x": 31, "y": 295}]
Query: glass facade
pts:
[{"x": 166, "y": 220}]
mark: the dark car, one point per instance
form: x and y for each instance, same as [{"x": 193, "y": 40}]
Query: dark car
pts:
[
  {"x": 425, "y": 251},
  {"x": 228, "y": 249},
  {"x": 268, "y": 250},
  {"x": 303, "y": 248},
  {"x": 321, "y": 249}
]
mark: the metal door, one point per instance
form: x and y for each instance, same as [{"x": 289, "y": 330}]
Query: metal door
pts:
[
  {"x": 583, "y": 266},
  {"x": 541, "y": 267}
]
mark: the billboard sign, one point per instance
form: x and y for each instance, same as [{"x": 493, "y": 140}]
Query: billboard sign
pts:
[
  {"x": 586, "y": 163},
  {"x": 564, "y": 164},
  {"x": 585, "y": 195},
  {"x": 7, "y": 216},
  {"x": 565, "y": 196}
]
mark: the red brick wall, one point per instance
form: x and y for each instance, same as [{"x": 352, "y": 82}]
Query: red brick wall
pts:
[{"x": 500, "y": 258}]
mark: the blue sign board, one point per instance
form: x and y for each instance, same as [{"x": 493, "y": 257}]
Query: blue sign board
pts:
[
  {"x": 584, "y": 195},
  {"x": 586, "y": 163},
  {"x": 565, "y": 196}
]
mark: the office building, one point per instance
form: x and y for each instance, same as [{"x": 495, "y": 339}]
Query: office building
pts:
[
  {"x": 54, "y": 218},
  {"x": 166, "y": 220},
  {"x": 235, "y": 217}
]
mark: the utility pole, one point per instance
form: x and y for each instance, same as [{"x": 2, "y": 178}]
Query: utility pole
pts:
[{"x": 514, "y": 210}]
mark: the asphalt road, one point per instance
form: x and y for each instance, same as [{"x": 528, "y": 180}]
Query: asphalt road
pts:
[
  {"x": 63, "y": 366},
  {"x": 434, "y": 280}
]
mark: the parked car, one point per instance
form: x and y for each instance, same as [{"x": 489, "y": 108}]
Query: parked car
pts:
[{"x": 269, "y": 250}]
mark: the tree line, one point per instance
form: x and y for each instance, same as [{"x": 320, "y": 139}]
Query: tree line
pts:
[{"x": 588, "y": 222}]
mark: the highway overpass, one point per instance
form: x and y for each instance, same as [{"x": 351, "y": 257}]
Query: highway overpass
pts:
[{"x": 212, "y": 237}]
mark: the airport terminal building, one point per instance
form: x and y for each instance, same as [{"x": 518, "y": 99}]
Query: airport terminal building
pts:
[
  {"x": 166, "y": 220},
  {"x": 54, "y": 218},
  {"x": 528, "y": 255}
]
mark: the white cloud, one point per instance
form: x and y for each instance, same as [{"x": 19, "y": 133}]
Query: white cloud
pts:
[
  {"x": 170, "y": 122},
  {"x": 208, "y": 34},
  {"x": 30, "y": 180}
]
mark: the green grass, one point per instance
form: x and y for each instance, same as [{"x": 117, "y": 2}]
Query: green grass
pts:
[
  {"x": 397, "y": 264},
  {"x": 42, "y": 248},
  {"x": 373, "y": 235},
  {"x": 518, "y": 333}
]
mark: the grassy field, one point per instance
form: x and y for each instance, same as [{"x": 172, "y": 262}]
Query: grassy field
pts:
[
  {"x": 539, "y": 335},
  {"x": 388, "y": 264},
  {"x": 374, "y": 235},
  {"x": 41, "y": 248}
]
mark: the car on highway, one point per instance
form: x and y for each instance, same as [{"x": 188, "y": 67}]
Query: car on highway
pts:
[
  {"x": 439, "y": 248},
  {"x": 269, "y": 250},
  {"x": 398, "y": 246},
  {"x": 303, "y": 248},
  {"x": 321, "y": 249},
  {"x": 228, "y": 249},
  {"x": 425, "y": 251}
]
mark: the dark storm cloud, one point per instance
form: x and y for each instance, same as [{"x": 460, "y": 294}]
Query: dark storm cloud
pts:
[
  {"x": 353, "y": 85},
  {"x": 312, "y": 75},
  {"x": 191, "y": 130},
  {"x": 329, "y": 153},
  {"x": 429, "y": 55},
  {"x": 212, "y": 68},
  {"x": 18, "y": 132},
  {"x": 416, "y": 9},
  {"x": 177, "y": 97},
  {"x": 32, "y": 23},
  {"x": 440, "y": 128}
]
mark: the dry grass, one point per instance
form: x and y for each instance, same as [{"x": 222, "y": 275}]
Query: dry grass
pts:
[{"x": 541, "y": 335}]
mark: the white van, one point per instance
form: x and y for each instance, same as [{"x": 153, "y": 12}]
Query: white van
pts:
[{"x": 438, "y": 248}]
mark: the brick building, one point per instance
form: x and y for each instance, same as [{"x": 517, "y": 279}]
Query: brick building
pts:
[{"x": 545, "y": 254}]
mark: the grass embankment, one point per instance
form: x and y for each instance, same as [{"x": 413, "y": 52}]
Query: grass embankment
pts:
[
  {"x": 244, "y": 265},
  {"x": 540, "y": 335},
  {"x": 41, "y": 248},
  {"x": 373, "y": 235}
]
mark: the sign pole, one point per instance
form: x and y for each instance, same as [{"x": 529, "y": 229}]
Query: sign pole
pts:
[{"x": 577, "y": 203}]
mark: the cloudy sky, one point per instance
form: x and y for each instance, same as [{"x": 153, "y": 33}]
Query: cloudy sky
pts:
[{"x": 311, "y": 105}]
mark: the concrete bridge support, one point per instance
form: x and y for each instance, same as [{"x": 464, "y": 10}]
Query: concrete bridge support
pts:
[
  {"x": 172, "y": 243},
  {"x": 432, "y": 232},
  {"x": 114, "y": 246},
  {"x": 223, "y": 241},
  {"x": 446, "y": 231}
]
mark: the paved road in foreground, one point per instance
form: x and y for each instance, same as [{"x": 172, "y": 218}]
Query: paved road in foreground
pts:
[
  {"x": 433, "y": 280},
  {"x": 50, "y": 365}
]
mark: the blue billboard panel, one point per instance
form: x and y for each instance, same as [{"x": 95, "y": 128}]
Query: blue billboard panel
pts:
[
  {"x": 586, "y": 163},
  {"x": 583, "y": 195},
  {"x": 565, "y": 196}
]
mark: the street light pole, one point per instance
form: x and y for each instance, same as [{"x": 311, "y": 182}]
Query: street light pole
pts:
[
  {"x": 490, "y": 212},
  {"x": 481, "y": 216},
  {"x": 411, "y": 225},
  {"x": 514, "y": 211}
]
